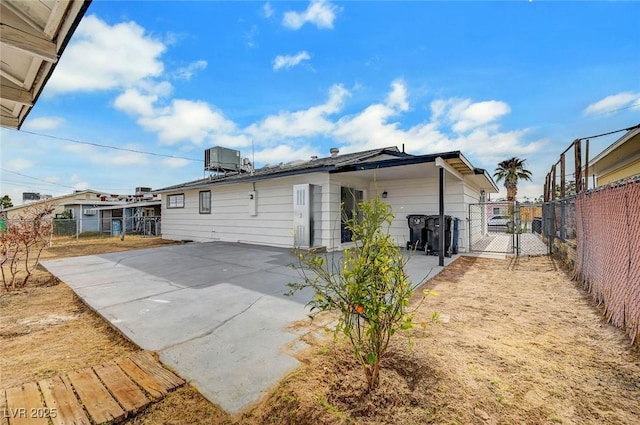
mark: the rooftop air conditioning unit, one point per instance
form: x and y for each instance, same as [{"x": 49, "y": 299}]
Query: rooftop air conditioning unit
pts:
[
  {"x": 140, "y": 190},
  {"x": 222, "y": 159}
]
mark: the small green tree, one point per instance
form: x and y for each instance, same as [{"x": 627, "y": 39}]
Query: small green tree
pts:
[{"x": 368, "y": 286}]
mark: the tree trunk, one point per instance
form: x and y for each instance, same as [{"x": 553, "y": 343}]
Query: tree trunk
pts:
[
  {"x": 372, "y": 372},
  {"x": 512, "y": 190}
]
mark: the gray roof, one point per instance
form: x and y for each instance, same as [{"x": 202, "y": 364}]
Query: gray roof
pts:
[
  {"x": 356, "y": 161},
  {"x": 326, "y": 164}
]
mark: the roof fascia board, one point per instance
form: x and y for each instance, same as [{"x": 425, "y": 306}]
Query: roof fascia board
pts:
[
  {"x": 615, "y": 145},
  {"x": 490, "y": 180},
  {"x": 387, "y": 163}
]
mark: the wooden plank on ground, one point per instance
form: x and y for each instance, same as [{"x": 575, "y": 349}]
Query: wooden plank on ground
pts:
[
  {"x": 24, "y": 406},
  {"x": 130, "y": 397},
  {"x": 165, "y": 377},
  {"x": 95, "y": 397},
  {"x": 4, "y": 419},
  {"x": 150, "y": 385},
  {"x": 60, "y": 398}
]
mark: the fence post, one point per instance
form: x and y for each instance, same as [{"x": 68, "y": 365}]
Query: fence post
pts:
[
  {"x": 577, "y": 149},
  {"x": 553, "y": 182},
  {"x": 562, "y": 177},
  {"x": 563, "y": 210}
]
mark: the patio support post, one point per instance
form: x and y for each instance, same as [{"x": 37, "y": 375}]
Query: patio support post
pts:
[{"x": 441, "y": 221}]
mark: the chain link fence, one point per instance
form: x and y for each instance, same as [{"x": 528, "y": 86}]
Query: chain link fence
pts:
[
  {"x": 107, "y": 227},
  {"x": 506, "y": 227},
  {"x": 608, "y": 251}
]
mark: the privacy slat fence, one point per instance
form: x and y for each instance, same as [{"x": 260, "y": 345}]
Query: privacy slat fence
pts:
[{"x": 608, "y": 251}]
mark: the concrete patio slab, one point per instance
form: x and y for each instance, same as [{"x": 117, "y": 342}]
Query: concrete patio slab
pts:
[{"x": 215, "y": 312}]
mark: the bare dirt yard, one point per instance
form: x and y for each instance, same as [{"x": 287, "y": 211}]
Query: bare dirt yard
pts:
[{"x": 517, "y": 343}]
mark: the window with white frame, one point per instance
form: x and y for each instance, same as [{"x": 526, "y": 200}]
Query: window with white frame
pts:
[
  {"x": 205, "y": 202},
  {"x": 175, "y": 201}
]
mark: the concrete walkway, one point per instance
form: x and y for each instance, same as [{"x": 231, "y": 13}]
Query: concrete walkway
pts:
[{"x": 215, "y": 312}]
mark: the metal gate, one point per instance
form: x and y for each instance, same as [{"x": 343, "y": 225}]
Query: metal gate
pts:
[{"x": 506, "y": 227}]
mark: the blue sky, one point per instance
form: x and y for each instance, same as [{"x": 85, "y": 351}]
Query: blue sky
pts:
[{"x": 292, "y": 79}]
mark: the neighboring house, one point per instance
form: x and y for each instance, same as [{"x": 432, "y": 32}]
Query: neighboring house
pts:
[
  {"x": 60, "y": 203},
  {"x": 92, "y": 211},
  {"x": 142, "y": 216},
  {"x": 619, "y": 161},
  {"x": 299, "y": 203},
  {"x": 497, "y": 209}
]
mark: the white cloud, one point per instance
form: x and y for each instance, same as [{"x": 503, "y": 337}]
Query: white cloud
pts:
[
  {"x": 378, "y": 125},
  {"x": 175, "y": 162},
  {"x": 78, "y": 148},
  {"x": 133, "y": 102},
  {"x": 81, "y": 186},
  {"x": 303, "y": 123},
  {"x": 19, "y": 164},
  {"x": 44, "y": 123},
  {"x": 251, "y": 36},
  {"x": 122, "y": 158},
  {"x": 267, "y": 10},
  {"x": 284, "y": 154},
  {"x": 103, "y": 57},
  {"x": 186, "y": 121},
  {"x": 465, "y": 115},
  {"x": 320, "y": 13},
  {"x": 398, "y": 96},
  {"x": 611, "y": 104},
  {"x": 187, "y": 72},
  {"x": 94, "y": 155},
  {"x": 289, "y": 61}
]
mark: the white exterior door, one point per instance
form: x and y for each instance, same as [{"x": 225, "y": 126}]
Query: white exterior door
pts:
[{"x": 302, "y": 215}]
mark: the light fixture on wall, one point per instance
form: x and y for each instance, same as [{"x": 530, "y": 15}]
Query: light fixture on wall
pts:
[
  {"x": 483, "y": 195},
  {"x": 385, "y": 194}
]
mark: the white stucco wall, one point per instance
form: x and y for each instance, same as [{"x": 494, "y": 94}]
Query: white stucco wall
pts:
[{"x": 231, "y": 218}]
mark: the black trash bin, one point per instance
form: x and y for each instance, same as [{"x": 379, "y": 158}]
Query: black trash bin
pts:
[
  {"x": 536, "y": 225},
  {"x": 417, "y": 231},
  {"x": 433, "y": 235}
]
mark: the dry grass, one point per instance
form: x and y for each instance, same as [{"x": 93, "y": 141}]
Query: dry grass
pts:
[
  {"x": 45, "y": 329},
  {"x": 518, "y": 343}
]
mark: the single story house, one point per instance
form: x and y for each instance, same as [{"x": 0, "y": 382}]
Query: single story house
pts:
[
  {"x": 619, "y": 161},
  {"x": 60, "y": 203},
  {"x": 300, "y": 203},
  {"x": 92, "y": 211}
]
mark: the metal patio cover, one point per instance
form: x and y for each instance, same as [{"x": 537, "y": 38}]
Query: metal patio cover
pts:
[{"x": 33, "y": 35}]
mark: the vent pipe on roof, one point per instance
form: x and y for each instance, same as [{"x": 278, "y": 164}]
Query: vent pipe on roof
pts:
[{"x": 334, "y": 152}]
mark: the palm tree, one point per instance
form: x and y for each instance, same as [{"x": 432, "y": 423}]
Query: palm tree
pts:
[{"x": 511, "y": 170}]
